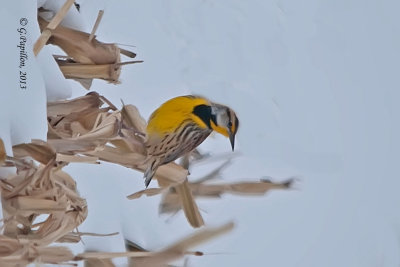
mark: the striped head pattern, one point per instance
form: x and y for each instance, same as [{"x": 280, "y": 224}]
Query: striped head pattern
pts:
[{"x": 219, "y": 118}]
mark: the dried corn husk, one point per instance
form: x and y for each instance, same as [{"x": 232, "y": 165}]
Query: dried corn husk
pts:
[
  {"x": 72, "y": 70},
  {"x": 173, "y": 252},
  {"x": 46, "y": 33},
  {"x": 42, "y": 153},
  {"x": 172, "y": 203},
  {"x": 189, "y": 205},
  {"x": 34, "y": 191},
  {"x": 93, "y": 262},
  {"x": 2, "y": 152},
  {"x": 15, "y": 253},
  {"x": 78, "y": 46},
  {"x": 87, "y": 58},
  {"x": 86, "y": 102}
]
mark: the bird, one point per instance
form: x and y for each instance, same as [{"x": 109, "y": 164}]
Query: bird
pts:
[{"x": 181, "y": 124}]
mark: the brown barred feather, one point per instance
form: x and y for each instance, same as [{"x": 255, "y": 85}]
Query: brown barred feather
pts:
[{"x": 173, "y": 146}]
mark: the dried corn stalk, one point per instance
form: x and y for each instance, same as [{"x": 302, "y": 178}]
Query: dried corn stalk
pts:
[
  {"x": 15, "y": 253},
  {"x": 87, "y": 57},
  {"x": 142, "y": 258},
  {"x": 2, "y": 152},
  {"x": 94, "y": 262},
  {"x": 171, "y": 202},
  {"x": 33, "y": 191},
  {"x": 44, "y": 37},
  {"x": 189, "y": 206},
  {"x": 78, "y": 47},
  {"x": 172, "y": 196}
]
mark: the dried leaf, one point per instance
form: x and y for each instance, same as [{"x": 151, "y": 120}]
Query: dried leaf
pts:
[
  {"x": 114, "y": 155},
  {"x": 77, "y": 45},
  {"x": 47, "y": 32},
  {"x": 182, "y": 247},
  {"x": 55, "y": 255},
  {"x": 77, "y": 105},
  {"x": 146, "y": 192},
  {"x": 132, "y": 246},
  {"x": 106, "y": 128},
  {"x": 75, "y": 158},
  {"x": 108, "y": 72},
  {"x": 75, "y": 237},
  {"x": 256, "y": 188},
  {"x": 86, "y": 83},
  {"x": 2, "y": 152},
  {"x": 41, "y": 190},
  {"x": 75, "y": 146},
  {"x": 169, "y": 254},
  {"x": 99, "y": 263},
  {"x": 170, "y": 203},
  {"x": 214, "y": 173},
  {"x": 109, "y": 255},
  {"x": 131, "y": 116},
  {"x": 199, "y": 237},
  {"x": 43, "y": 153},
  {"x": 96, "y": 24},
  {"x": 8, "y": 245},
  {"x": 26, "y": 203},
  {"x": 127, "y": 53},
  {"x": 170, "y": 174},
  {"x": 190, "y": 208}
]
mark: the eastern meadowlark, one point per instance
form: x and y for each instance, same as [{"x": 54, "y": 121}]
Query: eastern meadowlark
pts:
[{"x": 181, "y": 124}]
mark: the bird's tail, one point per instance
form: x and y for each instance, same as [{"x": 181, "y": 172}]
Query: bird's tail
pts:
[{"x": 149, "y": 173}]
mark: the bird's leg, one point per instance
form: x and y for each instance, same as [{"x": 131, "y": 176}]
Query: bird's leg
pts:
[
  {"x": 197, "y": 155},
  {"x": 185, "y": 161}
]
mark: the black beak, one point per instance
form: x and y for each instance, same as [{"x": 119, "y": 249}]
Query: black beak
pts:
[{"x": 232, "y": 139}]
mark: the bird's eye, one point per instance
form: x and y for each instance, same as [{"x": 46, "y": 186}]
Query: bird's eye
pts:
[{"x": 230, "y": 124}]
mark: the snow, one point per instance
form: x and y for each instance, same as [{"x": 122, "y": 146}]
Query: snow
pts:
[
  {"x": 56, "y": 87},
  {"x": 315, "y": 86},
  {"x": 25, "y": 109},
  {"x": 72, "y": 19}
]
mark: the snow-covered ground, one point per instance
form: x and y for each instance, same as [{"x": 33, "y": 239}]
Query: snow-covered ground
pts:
[{"x": 316, "y": 87}]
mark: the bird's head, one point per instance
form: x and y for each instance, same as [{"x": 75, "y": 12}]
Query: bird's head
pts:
[{"x": 224, "y": 121}]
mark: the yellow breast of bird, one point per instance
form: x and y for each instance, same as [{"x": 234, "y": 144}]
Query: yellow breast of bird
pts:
[{"x": 173, "y": 114}]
